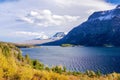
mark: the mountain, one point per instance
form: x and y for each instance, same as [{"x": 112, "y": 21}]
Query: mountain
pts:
[
  {"x": 58, "y": 35},
  {"x": 101, "y": 29}
]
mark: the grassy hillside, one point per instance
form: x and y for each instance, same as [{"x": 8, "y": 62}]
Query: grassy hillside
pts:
[{"x": 13, "y": 66}]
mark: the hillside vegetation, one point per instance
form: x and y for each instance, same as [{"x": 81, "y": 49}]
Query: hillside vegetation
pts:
[{"x": 13, "y": 66}]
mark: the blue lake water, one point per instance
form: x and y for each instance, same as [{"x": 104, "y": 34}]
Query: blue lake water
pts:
[{"x": 106, "y": 60}]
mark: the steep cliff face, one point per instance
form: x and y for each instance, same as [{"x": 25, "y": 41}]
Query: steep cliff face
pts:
[{"x": 102, "y": 28}]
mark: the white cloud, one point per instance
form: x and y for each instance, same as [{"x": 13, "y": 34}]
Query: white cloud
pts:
[
  {"x": 46, "y": 18},
  {"x": 28, "y": 33},
  {"x": 36, "y": 35},
  {"x": 40, "y": 35},
  {"x": 98, "y": 4}
]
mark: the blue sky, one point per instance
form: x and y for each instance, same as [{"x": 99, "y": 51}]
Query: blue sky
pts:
[
  {"x": 114, "y": 1},
  {"x": 27, "y": 19},
  {"x": 7, "y": 1}
]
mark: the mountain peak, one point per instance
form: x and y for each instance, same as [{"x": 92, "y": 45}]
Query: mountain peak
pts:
[
  {"x": 58, "y": 35},
  {"x": 118, "y": 7}
]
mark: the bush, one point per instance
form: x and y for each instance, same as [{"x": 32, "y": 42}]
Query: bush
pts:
[
  {"x": 98, "y": 73},
  {"x": 19, "y": 57},
  {"x": 37, "y": 65},
  {"x": 27, "y": 59}
]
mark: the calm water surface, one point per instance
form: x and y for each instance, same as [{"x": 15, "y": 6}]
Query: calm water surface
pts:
[{"x": 106, "y": 60}]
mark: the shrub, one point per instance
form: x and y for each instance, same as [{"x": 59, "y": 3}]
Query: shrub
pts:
[
  {"x": 37, "y": 65},
  {"x": 19, "y": 57},
  {"x": 27, "y": 59}
]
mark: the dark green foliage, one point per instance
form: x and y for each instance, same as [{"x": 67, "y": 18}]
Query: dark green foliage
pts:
[
  {"x": 47, "y": 68},
  {"x": 19, "y": 57},
  {"x": 6, "y": 51},
  {"x": 73, "y": 73},
  {"x": 27, "y": 59},
  {"x": 64, "y": 69},
  {"x": 76, "y": 73},
  {"x": 37, "y": 65},
  {"x": 57, "y": 69},
  {"x": 98, "y": 73}
]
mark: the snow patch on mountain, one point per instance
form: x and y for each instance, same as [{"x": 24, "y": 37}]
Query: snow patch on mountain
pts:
[{"x": 106, "y": 17}]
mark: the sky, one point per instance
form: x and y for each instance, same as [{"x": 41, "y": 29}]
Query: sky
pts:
[{"x": 22, "y": 20}]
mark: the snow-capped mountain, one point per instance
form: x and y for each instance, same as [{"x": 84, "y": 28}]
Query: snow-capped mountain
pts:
[
  {"x": 58, "y": 35},
  {"x": 101, "y": 29}
]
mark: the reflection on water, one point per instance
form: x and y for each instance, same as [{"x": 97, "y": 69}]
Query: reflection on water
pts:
[{"x": 106, "y": 60}]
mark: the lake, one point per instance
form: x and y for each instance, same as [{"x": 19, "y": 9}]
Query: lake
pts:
[{"x": 107, "y": 60}]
